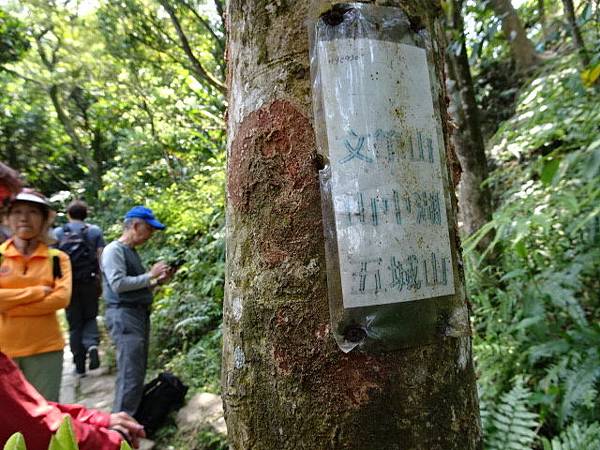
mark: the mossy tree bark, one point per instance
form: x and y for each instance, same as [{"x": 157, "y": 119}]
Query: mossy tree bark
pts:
[{"x": 286, "y": 385}]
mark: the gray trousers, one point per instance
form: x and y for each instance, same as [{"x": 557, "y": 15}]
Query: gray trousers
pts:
[{"x": 130, "y": 331}]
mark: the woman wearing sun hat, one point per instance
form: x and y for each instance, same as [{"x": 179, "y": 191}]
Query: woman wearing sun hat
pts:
[{"x": 35, "y": 282}]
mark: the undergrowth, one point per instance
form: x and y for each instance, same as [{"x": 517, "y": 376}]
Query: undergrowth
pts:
[{"x": 535, "y": 289}]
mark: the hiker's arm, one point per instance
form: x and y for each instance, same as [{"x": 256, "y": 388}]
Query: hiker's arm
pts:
[
  {"x": 10, "y": 298},
  {"x": 57, "y": 299},
  {"x": 24, "y": 409},
  {"x": 114, "y": 268},
  {"x": 84, "y": 415},
  {"x": 91, "y": 427},
  {"x": 120, "y": 423}
]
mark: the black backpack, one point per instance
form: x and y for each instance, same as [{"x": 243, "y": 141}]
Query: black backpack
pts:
[
  {"x": 162, "y": 395},
  {"x": 84, "y": 262}
]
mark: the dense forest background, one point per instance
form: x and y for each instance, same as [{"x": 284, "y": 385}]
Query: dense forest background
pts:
[{"x": 121, "y": 102}]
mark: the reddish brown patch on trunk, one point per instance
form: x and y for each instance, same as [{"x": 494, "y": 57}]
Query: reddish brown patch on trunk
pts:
[
  {"x": 273, "y": 181},
  {"x": 274, "y": 144}
]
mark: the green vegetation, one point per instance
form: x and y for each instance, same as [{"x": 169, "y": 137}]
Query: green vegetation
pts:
[
  {"x": 535, "y": 293},
  {"x": 107, "y": 105}
]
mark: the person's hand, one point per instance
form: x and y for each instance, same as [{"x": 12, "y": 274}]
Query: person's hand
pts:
[
  {"x": 159, "y": 269},
  {"x": 128, "y": 427},
  {"x": 166, "y": 276}
]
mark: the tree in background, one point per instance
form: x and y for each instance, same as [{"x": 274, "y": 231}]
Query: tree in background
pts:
[
  {"x": 541, "y": 7},
  {"x": 286, "y": 385},
  {"x": 114, "y": 80},
  {"x": 474, "y": 196},
  {"x": 521, "y": 47},
  {"x": 575, "y": 31},
  {"x": 63, "y": 66},
  {"x": 13, "y": 39}
]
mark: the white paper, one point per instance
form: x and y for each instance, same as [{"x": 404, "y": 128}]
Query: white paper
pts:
[{"x": 387, "y": 184}]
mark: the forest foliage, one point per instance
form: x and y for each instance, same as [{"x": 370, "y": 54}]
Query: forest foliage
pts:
[{"x": 123, "y": 104}]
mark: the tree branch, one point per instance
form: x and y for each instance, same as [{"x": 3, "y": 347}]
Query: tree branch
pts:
[
  {"x": 220, "y": 11},
  {"x": 23, "y": 77},
  {"x": 197, "y": 67},
  {"x": 204, "y": 22},
  {"x": 69, "y": 128}
]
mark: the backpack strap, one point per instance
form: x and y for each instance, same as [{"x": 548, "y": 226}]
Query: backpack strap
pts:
[
  {"x": 56, "y": 270},
  {"x": 3, "y": 248},
  {"x": 52, "y": 252},
  {"x": 84, "y": 232}
]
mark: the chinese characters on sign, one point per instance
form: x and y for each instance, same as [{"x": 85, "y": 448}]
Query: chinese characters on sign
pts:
[{"x": 387, "y": 185}]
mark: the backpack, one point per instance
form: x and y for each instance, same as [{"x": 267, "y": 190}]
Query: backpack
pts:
[
  {"x": 84, "y": 262},
  {"x": 162, "y": 395}
]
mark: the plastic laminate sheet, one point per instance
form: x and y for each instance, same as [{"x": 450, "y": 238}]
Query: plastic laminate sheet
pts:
[{"x": 392, "y": 277}]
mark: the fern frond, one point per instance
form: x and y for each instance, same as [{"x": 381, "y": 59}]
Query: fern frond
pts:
[
  {"x": 575, "y": 437},
  {"x": 580, "y": 384},
  {"x": 511, "y": 426}
]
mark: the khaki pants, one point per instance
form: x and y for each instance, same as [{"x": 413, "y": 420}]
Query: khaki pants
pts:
[{"x": 44, "y": 372}]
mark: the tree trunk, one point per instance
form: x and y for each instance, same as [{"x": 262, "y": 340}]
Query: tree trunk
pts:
[
  {"x": 69, "y": 128},
  {"x": 13, "y": 161},
  {"x": 576, "y": 32},
  {"x": 541, "y": 4},
  {"x": 474, "y": 198},
  {"x": 286, "y": 384},
  {"x": 521, "y": 47}
]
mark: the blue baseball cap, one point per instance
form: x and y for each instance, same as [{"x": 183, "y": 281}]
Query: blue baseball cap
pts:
[{"x": 141, "y": 212}]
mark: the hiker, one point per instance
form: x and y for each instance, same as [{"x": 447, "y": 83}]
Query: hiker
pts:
[
  {"x": 25, "y": 410},
  {"x": 35, "y": 282},
  {"x": 128, "y": 295},
  {"x": 83, "y": 242},
  {"x": 10, "y": 185}
]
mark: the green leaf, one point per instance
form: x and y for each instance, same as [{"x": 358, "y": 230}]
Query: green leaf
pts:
[
  {"x": 15, "y": 442},
  {"x": 64, "y": 439},
  {"x": 125, "y": 445},
  {"x": 549, "y": 170},
  {"x": 521, "y": 248}
]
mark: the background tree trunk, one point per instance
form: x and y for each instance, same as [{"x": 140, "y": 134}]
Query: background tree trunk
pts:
[
  {"x": 286, "y": 385},
  {"x": 520, "y": 46},
  {"x": 474, "y": 198},
  {"x": 575, "y": 31},
  {"x": 541, "y": 6}
]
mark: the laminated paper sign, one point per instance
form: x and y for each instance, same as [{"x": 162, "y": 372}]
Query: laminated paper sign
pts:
[{"x": 387, "y": 186}]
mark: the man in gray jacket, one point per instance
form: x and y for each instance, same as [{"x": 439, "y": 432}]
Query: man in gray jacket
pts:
[{"x": 128, "y": 294}]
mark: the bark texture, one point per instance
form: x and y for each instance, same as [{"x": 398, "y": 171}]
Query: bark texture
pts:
[
  {"x": 286, "y": 385},
  {"x": 474, "y": 197},
  {"x": 521, "y": 47},
  {"x": 575, "y": 31}
]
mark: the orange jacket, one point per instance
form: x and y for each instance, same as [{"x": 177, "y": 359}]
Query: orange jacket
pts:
[{"x": 28, "y": 322}]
